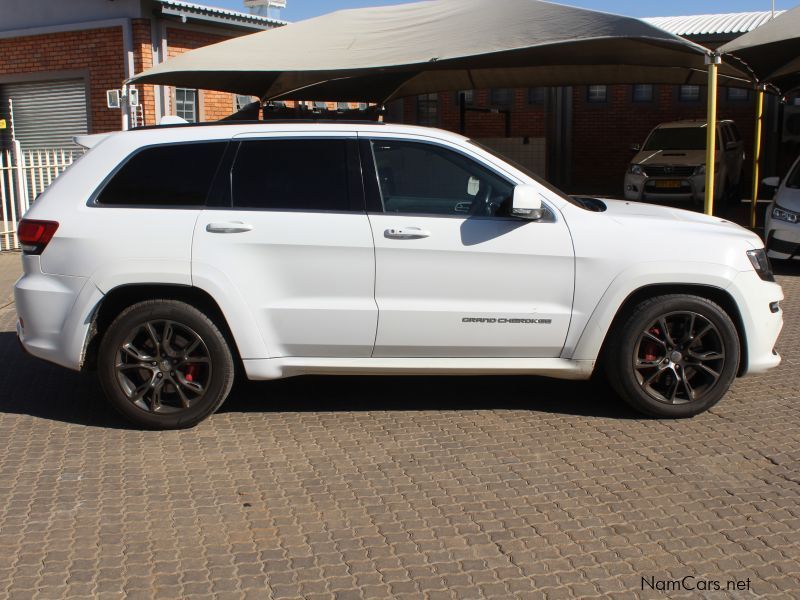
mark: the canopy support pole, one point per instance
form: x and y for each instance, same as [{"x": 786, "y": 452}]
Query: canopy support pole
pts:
[
  {"x": 757, "y": 153},
  {"x": 713, "y": 61}
]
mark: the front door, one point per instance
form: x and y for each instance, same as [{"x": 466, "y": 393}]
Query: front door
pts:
[
  {"x": 294, "y": 243},
  {"x": 455, "y": 275}
]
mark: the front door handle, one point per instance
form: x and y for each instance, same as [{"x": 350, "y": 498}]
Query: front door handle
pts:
[
  {"x": 232, "y": 227},
  {"x": 406, "y": 233}
]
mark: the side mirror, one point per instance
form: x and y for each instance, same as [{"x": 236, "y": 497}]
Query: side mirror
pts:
[
  {"x": 773, "y": 182},
  {"x": 527, "y": 203},
  {"x": 636, "y": 148}
]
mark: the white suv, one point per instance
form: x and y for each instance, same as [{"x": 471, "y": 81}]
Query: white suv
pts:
[{"x": 171, "y": 258}]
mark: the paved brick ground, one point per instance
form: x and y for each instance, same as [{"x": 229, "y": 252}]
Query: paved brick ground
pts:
[{"x": 404, "y": 488}]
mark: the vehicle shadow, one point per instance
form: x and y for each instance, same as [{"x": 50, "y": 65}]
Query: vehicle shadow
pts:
[
  {"x": 36, "y": 388},
  {"x": 786, "y": 268},
  {"x": 418, "y": 393}
]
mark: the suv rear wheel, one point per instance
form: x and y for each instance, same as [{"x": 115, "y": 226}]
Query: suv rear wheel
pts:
[
  {"x": 164, "y": 364},
  {"x": 674, "y": 356}
]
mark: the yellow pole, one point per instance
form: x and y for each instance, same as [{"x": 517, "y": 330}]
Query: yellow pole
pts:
[
  {"x": 713, "y": 62},
  {"x": 757, "y": 153}
]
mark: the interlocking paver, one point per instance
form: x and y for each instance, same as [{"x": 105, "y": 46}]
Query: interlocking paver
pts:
[{"x": 350, "y": 488}]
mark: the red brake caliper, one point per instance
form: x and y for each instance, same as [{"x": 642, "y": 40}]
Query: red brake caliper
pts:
[
  {"x": 650, "y": 348},
  {"x": 190, "y": 373}
]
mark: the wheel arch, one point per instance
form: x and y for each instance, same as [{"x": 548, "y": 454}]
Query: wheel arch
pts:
[
  {"x": 715, "y": 294},
  {"x": 123, "y": 296}
]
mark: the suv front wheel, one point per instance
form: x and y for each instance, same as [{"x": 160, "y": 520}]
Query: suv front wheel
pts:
[
  {"x": 164, "y": 364},
  {"x": 674, "y": 356}
]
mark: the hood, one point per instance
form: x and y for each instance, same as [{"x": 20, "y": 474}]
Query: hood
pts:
[
  {"x": 789, "y": 198},
  {"x": 654, "y": 219},
  {"x": 670, "y": 157}
]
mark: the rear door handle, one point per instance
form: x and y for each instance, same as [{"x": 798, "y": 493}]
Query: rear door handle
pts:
[
  {"x": 232, "y": 227},
  {"x": 406, "y": 233}
]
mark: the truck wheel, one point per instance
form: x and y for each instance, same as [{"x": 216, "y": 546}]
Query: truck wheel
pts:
[
  {"x": 673, "y": 356},
  {"x": 163, "y": 364}
]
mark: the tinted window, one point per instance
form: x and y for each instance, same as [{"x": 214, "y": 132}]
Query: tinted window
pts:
[
  {"x": 794, "y": 177},
  {"x": 429, "y": 179},
  {"x": 291, "y": 175},
  {"x": 677, "y": 138},
  {"x": 172, "y": 175}
]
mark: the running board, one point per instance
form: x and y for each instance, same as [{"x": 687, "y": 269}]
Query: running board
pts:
[{"x": 556, "y": 368}]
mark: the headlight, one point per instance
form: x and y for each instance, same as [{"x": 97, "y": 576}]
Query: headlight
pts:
[
  {"x": 701, "y": 170},
  {"x": 636, "y": 170},
  {"x": 760, "y": 263},
  {"x": 784, "y": 215}
]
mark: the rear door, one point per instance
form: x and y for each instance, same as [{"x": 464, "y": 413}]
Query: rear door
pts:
[{"x": 292, "y": 238}]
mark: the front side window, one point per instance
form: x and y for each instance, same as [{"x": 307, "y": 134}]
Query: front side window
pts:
[
  {"x": 171, "y": 175},
  {"x": 186, "y": 104},
  {"x": 291, "y": 174},
  {"x": 419, "y": 178}
]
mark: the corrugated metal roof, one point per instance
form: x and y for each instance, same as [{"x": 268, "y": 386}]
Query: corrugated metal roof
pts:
[
  {"x": 200, "y": 10},
  {"x": 719, "y": 24}
]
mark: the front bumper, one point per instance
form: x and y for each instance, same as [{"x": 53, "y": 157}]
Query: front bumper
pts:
[
  {"x": 783, "y": 238},
  {"x": 642, "y": 187},
  {"x": 762, "y": 323}
]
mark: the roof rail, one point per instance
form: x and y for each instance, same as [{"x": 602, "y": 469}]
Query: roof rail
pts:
[{"x": 263, "y": 122}]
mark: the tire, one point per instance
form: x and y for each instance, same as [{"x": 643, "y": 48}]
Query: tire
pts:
[
  {"x": 679, "y": 375},
  {"x": 163, "y": 364}
]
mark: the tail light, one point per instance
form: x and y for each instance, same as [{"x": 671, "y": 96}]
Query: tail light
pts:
[{"x": 35, "y": 235}]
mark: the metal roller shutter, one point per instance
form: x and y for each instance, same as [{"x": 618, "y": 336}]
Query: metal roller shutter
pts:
[{"x": 47, "y": 114}]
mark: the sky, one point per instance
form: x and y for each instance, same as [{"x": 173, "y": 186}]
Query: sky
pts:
[{"x": 303, "y": 9}]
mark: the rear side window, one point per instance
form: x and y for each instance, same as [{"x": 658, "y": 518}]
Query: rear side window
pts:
[
  {"x": 171, "y": 175},
  {"x": 297, "y": 174}
]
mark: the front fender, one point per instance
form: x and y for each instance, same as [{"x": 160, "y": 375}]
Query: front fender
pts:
[{"x": 594, "y": 327}]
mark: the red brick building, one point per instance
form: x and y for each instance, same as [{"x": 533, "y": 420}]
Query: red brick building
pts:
[
  {"x": 589, "y": 130},
  {"x": 58, "y": 59}
]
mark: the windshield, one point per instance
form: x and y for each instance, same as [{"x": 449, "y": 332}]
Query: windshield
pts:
[
  {"x": 677, "y": 138},
  {"x": 528, "y": 172},
  {"x": 793, "y": 181}
]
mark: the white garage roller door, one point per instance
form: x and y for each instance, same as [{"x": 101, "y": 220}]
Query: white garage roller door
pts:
[{"x": 47, "y": 114}]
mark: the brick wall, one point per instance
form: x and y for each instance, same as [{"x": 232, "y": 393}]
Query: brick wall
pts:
[
  {"x": 214, "y": 105},
  {"x": 527, "y": 120},
  {"x": 99, "y": 52},
  {"x": 143, "y": 59},
  {"x": 604, "y": 132}
]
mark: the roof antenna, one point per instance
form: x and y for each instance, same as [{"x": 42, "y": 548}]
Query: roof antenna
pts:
[{"x": 773, "y": 9}]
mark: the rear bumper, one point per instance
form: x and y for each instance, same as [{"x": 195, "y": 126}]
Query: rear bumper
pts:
[{"x": 53, "y": 319}]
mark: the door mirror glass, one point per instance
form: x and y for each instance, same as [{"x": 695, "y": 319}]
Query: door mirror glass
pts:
[
  {"x": 527, "y": 203},
  {"x": 772, "y": 182},
  {"x": 636, "y": 147}
]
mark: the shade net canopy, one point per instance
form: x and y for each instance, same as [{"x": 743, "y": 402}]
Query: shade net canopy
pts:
[
  {"x": 771, "y": 52},
  {"x": 378, "y": 54}
]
